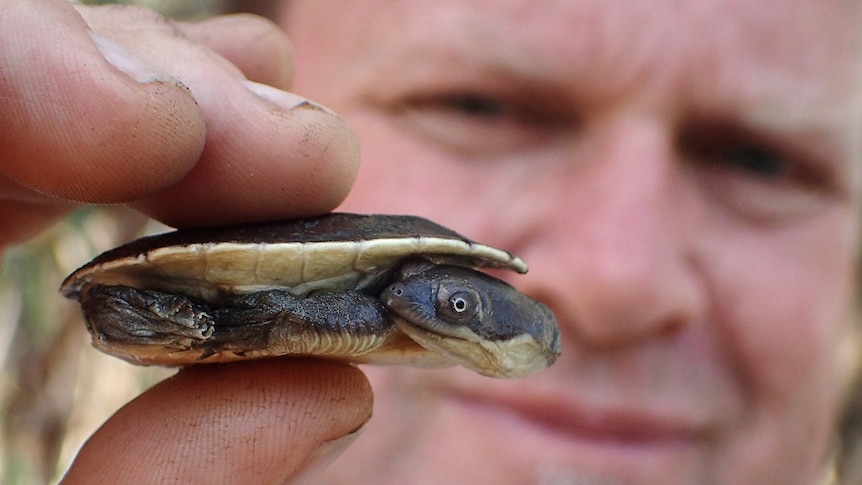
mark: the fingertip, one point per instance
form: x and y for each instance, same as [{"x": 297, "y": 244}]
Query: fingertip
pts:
[
  {"x": 293, "y": 159},
  {"x": 250, "y": 422},
  {"x": 86, "y": 121}
]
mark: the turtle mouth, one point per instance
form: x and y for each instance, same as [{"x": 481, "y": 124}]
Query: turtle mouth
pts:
[{"x": 509, "y": 358}]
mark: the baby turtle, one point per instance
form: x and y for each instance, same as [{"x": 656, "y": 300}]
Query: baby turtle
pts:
[{"x": 380, "y": 289}]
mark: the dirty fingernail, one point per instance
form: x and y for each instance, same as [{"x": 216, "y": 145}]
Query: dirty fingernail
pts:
[
  {"x": 283, "y": 99},
  {"x": 125, "y": 61}
]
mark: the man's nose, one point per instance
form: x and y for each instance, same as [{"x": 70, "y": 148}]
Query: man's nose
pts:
[{"x": 615, "y": 257}]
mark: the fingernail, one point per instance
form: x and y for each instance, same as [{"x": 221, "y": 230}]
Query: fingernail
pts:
[
  {"x": 322, "y": 457},
  {"x": 125, "y": 61},
  {"x": 283, "y": 99}
]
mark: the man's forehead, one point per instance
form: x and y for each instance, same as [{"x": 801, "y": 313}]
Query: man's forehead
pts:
[
  {"x": 794, "y": 69},
  {"x": 808, "y": 54}
]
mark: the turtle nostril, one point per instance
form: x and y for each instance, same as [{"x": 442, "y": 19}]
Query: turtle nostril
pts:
[{"x": 397, "y": 290}]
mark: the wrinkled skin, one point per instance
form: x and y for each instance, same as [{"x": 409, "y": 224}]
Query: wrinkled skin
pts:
[{"x": 683, "y": 179}]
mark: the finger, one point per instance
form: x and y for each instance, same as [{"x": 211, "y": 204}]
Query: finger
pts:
[
  {"x": 24, "y": 213},
  {"x": 21, "y": 220},
  {"x": 274, "y": 156},
  {"x": 78, "y": 127},
  {"x": 268, "y": 154},
  {"x": 234, "y": 36},
  {"x": 252, "y": 422}
]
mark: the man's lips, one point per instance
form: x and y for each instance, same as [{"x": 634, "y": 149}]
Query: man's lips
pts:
[
  {"x": 622, "y": 426},
  {"x": 637, "y": 425}
]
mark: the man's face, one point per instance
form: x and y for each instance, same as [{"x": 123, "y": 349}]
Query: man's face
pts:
[{"x": 683, "y": 179}]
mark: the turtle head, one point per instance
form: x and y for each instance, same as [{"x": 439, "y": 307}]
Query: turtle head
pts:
[{"x": 474, "y": 319}]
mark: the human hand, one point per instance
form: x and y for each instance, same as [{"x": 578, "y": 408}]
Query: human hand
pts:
[
  {"x": 187, "y": 129},
  {"x": 175, "y": 130},
  {"x": 263, "y": 421}
]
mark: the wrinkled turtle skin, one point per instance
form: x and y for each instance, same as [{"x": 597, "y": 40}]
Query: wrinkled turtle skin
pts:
[{"x": 379, "y": 289}]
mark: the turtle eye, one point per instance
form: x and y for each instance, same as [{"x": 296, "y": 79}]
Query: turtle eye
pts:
[{"x": 459, "y": 305}]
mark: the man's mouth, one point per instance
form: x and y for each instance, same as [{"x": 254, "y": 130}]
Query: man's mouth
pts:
[{"x": 614, "y": 441}]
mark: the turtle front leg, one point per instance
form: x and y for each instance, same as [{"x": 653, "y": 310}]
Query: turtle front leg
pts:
[{"x": 340, "y": 325}]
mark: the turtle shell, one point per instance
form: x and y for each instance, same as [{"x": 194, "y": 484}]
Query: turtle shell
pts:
[{"x": 335, "y": 252}]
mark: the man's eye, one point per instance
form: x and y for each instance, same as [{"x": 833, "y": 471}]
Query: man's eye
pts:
[
  {"x": 474, "y": 105},
  {"x": 471, "y": 107},
  {"x": 759, "y": 162},
  {"x": 479, "y": 124},
  {"x": 747, "y": 157},
  {"x": 755, "y": 177}
]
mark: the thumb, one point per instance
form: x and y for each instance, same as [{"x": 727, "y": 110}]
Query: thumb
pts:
[
  {"x": 251, "y": 422},
  {"x": 82, "y": 118}
]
